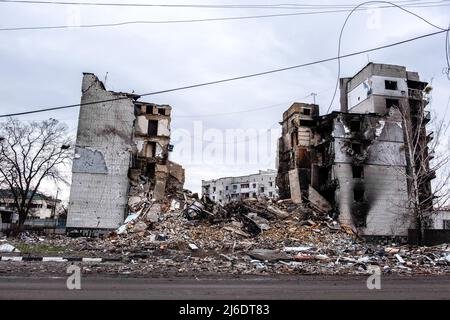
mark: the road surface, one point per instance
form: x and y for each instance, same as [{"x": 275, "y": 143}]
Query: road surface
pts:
[{"x": 301, "y": 287}]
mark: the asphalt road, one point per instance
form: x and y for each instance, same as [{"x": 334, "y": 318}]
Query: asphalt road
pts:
[{"x": 301, "y": 287}]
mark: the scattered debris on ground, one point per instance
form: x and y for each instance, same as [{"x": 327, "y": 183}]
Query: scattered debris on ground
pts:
[{"x": 187, "y": 235}]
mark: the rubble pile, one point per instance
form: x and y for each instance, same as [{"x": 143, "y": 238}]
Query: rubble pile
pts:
[
  {"x": 188, "y": 235},
  {"x": 258, "y": 235}
]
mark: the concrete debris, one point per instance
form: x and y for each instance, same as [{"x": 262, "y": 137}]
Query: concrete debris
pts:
[
  {"x": 242, "y": 237},
  {"x": 268, "y": 255},
  {"x": 297, "y": 249},
  {"x": 6, "y": 247},
  {"x": 318, "y": 202},
  {"x": 391, "y": 250},
  {"x": 323, "y": 257},
  {"x": 138, "y": 227},
  {"x": 400, "y": 259},
  {"x": 193, "y": 247}
]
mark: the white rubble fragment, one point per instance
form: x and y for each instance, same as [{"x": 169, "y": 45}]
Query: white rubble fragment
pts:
[
  {"x": 174, "y": 205},
  {"x": 8, "y": 248},
  {"x": 193, "y": 247},
  {"x": 364, "y": 259},
  {"x": 226, "y": 257},
  {"x": 133, "y": 201},
  {"x": 122, "y": 229},
  {"x": 297, "y": 249},
  {"x": 400, "y": 259},
  {"x": 379, "y": 129},
  {"x": 130, "y": 218}
]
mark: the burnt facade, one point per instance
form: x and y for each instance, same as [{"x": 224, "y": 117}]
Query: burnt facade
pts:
[
  {"x": 122, "y": 149},
  {"x": 358, "y": 158}
]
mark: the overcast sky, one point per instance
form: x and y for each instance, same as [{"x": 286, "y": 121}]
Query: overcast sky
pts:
[{"x": 43, "y": 68}]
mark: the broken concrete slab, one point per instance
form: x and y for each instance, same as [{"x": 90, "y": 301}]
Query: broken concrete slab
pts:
[
  {"x": 317, "y": 201},
  {"x": 138, "y": 226},
  {"x": 294, "y": 185},
  {"x": 237, "y": 231},
  {"x": 268, "y": 255},
  {"x": 193, "y": 247},
  {"x": 304, "y": 257},
  {"x": 297, "y": 249},
  {"x": 278, "y": 212},
  {"x": 399, "y": 258}
]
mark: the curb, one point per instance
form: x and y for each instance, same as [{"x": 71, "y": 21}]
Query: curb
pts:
[{"x": 58, "y": 259}]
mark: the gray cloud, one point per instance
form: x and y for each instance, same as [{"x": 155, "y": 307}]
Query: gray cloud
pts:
[{"x": 44, "y": 68}]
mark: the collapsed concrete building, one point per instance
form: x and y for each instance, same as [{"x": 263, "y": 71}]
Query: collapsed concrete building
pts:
[
  {"x": 355, "y": 162},
  {"x": 122, "y": 149},
  {"x": 227, "y": 189}
]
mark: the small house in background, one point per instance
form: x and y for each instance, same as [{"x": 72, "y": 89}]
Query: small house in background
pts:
[
  {"x": 47, "y": 214},
  {"x": 42, "y": 206}
]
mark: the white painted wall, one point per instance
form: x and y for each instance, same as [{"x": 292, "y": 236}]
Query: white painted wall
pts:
[
  {"x": 98, "y": 200},
  {"x": 221, "y": 195},
  {"x": 439, "y": 217},
  {"x": 163, "y": 128},
  {"x": 375, "y": 85}
]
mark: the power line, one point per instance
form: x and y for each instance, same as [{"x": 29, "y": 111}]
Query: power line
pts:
[
  {"x": 345, "y": 23},
  {"x": 231, "y": 79},
  {"x": 205, "y": 6},
  {"x": 168, "y": 21},
  {"x": 241, "y": 111},
  {"x": 446, "y": 70},
  {"x": 116, "y": 24}
]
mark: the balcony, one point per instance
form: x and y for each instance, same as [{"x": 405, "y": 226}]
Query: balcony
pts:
[{"x": 415, "y": 94}]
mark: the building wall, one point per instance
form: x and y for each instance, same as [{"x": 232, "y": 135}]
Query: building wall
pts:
[
  {"x": 385, "y": 197},
  {"x": 98, "y": 194},
  {"x": 122, "y": 150},
  {"x": 439, "y": 217},
  {"x": 294, "y": 145},
  {"x": 40, "y": 208},
  {"x": 227, "y": 189},
  {"x": 383, "y": 182},
  {"x": 375, "y": 86},
  {"x": 378, "y": 69}
]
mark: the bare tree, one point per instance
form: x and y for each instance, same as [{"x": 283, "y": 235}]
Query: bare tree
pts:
[
  {"x": 427, "y": 153},
  {"x": 30, "y": 153}
]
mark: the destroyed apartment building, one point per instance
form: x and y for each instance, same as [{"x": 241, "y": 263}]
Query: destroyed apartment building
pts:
[
  {"x": 122, "y": 150},
  {"x": 227, "y": 189},
  {"x": 355, "y": 163}
]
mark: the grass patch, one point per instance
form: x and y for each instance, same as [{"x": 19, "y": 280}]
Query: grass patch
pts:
[{"x": 38, "y": 248}]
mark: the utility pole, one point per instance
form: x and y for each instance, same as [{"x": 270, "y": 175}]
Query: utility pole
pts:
[
  {"x": 54, "y": 205},
  {"x": 314, "y": 97}
]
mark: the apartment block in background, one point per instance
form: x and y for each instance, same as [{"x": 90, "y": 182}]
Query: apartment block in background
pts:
[{"x": 227, "y": 189}]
